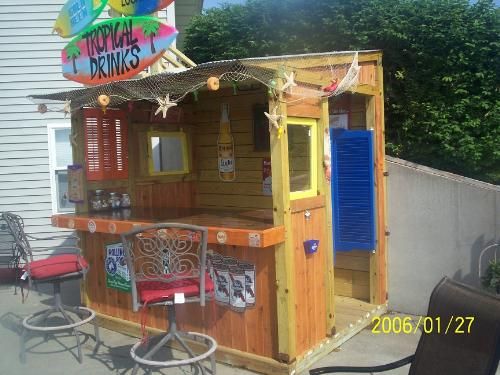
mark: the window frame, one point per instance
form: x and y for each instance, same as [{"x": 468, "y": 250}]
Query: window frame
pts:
[
  {"x": 185, "y": 154},
  {"x": 313, "y": 125},
  {"x": 53, "y": 168}
]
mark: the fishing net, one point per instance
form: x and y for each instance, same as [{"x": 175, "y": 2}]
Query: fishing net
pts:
[{"x": 298, "y": 76}]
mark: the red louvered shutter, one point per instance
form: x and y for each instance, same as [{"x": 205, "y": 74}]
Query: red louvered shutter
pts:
[{"x": 105, "y": 144}]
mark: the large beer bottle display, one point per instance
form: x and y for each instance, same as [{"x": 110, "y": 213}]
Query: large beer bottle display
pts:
[{"x": 225, "y": 147}]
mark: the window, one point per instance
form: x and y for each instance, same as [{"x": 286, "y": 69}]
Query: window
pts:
[
  {"x": 302, "y": 164},
  {"x": 60, "y": 156},
  {"x": 167, "y": 153}
]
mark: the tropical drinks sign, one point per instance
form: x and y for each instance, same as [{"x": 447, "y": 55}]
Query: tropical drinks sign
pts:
[{"x": 116, "y": 49}]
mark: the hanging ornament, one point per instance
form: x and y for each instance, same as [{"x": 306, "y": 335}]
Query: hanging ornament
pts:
[
  {"x": 67, "y": 108},
  {"x": 130, "y": 106},
  {"x": 213, "y": 84},
  {"x": 42, "y": 108},
  {"x": 164, "y": 105},
  {"x": 274, "y": 121},
  {"x": 195, "y": 95},
  {"x": 332, "y": 86},
  {"x": 272, "y": 86},
  {"x": 103, "y": 101},
  {"x": 235, "y": 87},
  {"x": 290, "y": 82}
]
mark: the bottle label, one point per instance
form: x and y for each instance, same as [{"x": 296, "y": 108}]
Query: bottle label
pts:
[{"x": 226, "y": 158}]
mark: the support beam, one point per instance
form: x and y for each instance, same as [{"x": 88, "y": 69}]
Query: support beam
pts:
[
  {"x": 324, "y": 189},
  {"x": 284, "y": 254}
]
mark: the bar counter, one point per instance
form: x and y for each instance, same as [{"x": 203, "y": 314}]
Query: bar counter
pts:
[
  {"x": 247, "y": 235},
  {"x": 239, "y": 228}
]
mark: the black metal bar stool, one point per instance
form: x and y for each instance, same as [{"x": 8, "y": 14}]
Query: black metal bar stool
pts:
[{"x": 55, "y": 269}]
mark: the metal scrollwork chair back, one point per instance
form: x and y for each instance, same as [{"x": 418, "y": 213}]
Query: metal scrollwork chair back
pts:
[
  {"x": 15, "y": 225},
  {"x": 166, "y": 253}
]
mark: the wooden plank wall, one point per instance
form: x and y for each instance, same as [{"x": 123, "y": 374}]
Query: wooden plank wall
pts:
[
  {"x": 352, "y": 274},
  {"x": 246, "y": 190},
  {"x": 309, "y": 272},
  {"x": 165, "y": 195},
  {"x": 253, "y": 331}
]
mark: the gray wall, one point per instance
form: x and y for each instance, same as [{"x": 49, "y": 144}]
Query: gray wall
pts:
[{"x": 439, "y": 223}]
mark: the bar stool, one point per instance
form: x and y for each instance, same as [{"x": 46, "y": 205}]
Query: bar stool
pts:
[
  {"x": 55, "y": 269},
  {"x": 166, "y": 262}
]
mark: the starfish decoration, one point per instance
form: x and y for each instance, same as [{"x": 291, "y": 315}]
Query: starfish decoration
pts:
[
  {"x": 165, "y": 105},
  {"x": 290, "y": 82},
  {"x": 72, "y": 138},
  {"x": 67, "y": 108},
  {"x": 274, "y": 119}
]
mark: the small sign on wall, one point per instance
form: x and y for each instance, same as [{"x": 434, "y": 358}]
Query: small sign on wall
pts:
[
  {"x": 117, "y": 273},
  {"x": 75, "y": 183},
  {"x": 266, "y": 177}
]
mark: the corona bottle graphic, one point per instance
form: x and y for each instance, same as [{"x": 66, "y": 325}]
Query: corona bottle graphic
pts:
[{"x": 225, "y": 147}]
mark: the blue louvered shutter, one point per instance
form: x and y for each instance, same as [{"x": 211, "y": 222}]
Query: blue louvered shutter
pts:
[{"x": 353, "y": 201}]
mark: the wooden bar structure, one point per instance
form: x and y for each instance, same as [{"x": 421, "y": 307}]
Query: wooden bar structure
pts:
[{"x": 306, "y": 304}]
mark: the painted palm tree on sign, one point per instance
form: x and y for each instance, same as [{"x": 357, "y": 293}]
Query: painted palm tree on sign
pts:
[
  {"x": 150, "y": 29},
  {"x": 72, "y": 52}
]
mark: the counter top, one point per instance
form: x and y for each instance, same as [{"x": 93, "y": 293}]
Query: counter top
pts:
[{"x": 241, "y": 228}]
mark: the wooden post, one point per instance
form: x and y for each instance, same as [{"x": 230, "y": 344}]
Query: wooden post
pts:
[
  {"x": 78, "y": 150},
  {"x": 284, "y": 254},
  {"x": 378, "y": 261},
  {"x": 324, "y": 188}
]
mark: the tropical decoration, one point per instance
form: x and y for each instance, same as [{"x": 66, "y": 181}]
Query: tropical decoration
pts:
[
  {"x": 164, "y": 105},
  {"x": 138, "y": 7},
  {"x": 76, "y": 15},
  {"x": 67, "y": 108},
  {"x": 290, "y": 82},
  {"x": 103, "y": 101},
  {"x": 42, "y": 108},
  {"x": 116, "y": 49},
  {"x": 213, "y": 84},
  {"x": 150, "y": 29},
  {"x": 274, "y": 121},
  {"x": 72, "y": 52}
]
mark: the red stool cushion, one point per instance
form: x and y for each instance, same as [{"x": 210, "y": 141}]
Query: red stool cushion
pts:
[
  {"x": 57, "y": 265},
  {"x": 156, "y": 291}
]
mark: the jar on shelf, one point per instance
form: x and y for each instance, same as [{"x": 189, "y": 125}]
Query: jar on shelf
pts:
[
  {"x": 125, "y": 201},
  {"x": 114, "y": 201},
  {"x": 98, "y": 202}
]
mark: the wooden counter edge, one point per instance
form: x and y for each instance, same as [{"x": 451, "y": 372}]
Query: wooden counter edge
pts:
[{"x": 235, "y": 236}]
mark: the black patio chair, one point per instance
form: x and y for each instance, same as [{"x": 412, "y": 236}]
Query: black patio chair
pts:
[
  {"x": 54, "y": 269},
  {"x": 166, "y": 261},
  {"x": 449, "y": 352}
]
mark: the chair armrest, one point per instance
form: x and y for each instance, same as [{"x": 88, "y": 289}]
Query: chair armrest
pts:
[{"x": 364, "y": 369}]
